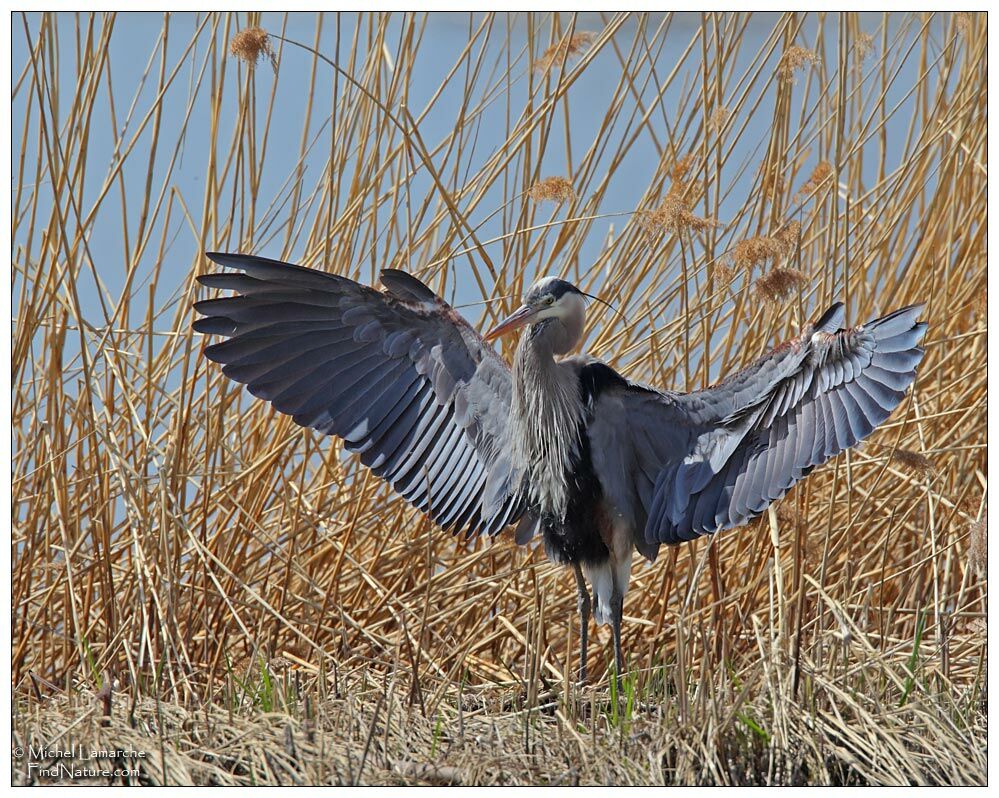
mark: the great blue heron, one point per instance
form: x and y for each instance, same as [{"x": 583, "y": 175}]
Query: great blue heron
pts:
[{"x": 599, "y": 463}]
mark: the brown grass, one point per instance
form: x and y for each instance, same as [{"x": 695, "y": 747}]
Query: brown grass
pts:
[{"x": 269, "y": 613}]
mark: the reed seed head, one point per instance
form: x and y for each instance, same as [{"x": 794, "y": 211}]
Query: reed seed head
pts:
[
  {"x": 567, "y": 48},
  {"x": 963, "y": 22},
  {"x": 793, "y": 59},
  {"x": 678, "y": 174},
  {"x": 672, "y": 216},
  {"x": 552, "y": 189},
  {"x": 753, "y": 251},
  {"x": 863, "y": 46},
  {"x": 718, "y": 119},
  {"x": 722, "y": 271},
  {"x": 778, "y": 285},
  {"x": 674, "y": 212},
  {"x": 822, "y": 172},
  {"x": 252, "y": 44}
]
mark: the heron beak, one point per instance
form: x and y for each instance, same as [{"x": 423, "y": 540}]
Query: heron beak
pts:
[{"x": 515, "y": 321}]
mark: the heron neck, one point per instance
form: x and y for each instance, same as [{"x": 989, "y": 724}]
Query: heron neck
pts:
[
  {"x": 551, "y": 337},
  {"x": 545, "y": 414},
  {"x": 535, "y": 355}
]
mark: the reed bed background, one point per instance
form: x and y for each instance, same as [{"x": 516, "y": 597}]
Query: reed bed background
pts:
[{"x": 195, "y": 576}]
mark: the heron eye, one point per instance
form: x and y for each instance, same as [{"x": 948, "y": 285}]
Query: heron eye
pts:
[{"x": 549, "y": 300}]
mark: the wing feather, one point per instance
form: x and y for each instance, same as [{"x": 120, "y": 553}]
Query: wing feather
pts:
[
  {"x": 400, "y": 376},
  {"x": 754, "y": 435}
]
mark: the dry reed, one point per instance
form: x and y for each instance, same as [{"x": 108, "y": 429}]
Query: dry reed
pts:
[
  {"x": 778, "y": 285},
  {"x": 552, "y": 189},
  {"x": 251, "y": 45},
  {"x": 568, "y": 47},
  {"x": 822, "y": 172},
  {"x": 757, "y": 250},
  {"x": 718, "y": 119},
  {"x": 674, "y": 214},
  {"x": 270, "y": 613},
  {"x": 793, "y": 60}
]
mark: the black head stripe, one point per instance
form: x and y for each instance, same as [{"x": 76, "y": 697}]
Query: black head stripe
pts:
[{"x": 554, "y": 286}]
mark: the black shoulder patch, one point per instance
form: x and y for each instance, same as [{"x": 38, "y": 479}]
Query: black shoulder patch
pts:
[{"x": 595, "y": 378}]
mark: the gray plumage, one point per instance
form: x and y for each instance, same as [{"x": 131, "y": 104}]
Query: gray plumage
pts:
[
  {"x": 399, "y": 376},
  {"x": 601, "y": 465}
]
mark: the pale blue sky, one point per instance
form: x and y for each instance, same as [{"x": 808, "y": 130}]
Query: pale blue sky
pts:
[{"x": 136, "y": 37}]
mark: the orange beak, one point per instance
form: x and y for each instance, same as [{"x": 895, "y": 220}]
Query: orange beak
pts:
[{"x": 523, "y": 315}]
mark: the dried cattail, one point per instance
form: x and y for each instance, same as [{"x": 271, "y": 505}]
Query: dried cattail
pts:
[
  {"x": 564, "y": 50},
  {"x": 759, "y": 249},
  {"x": 822, "y": 172},
  {"x": 793, "y": 59},
  {"x": 552, "y": 189},
  {"x": 979, "y": 543},
  {"x": 915, "y": 463},
  {"x": 719, "y": 117},
  {"x": 252, "y": 44},
  {"x": 779, "y": 284}
]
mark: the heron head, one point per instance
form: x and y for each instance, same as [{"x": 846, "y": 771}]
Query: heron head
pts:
[{"x": 548, "y": 298}]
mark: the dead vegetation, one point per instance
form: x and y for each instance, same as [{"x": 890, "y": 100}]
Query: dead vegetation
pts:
[
  {"x": 269, "y": 613},
  {"x": 552, "y": 189}
]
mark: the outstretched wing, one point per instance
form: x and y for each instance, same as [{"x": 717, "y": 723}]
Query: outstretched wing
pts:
[
  {"x": 770, "y": 425},
  {"x": 738, "y": 446},
  {"x": 400, "y": 376}
]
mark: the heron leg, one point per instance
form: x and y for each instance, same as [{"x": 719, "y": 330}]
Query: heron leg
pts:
[
  {"x": 584, "y": 619},
  {"x": 617, "y": 612}
]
